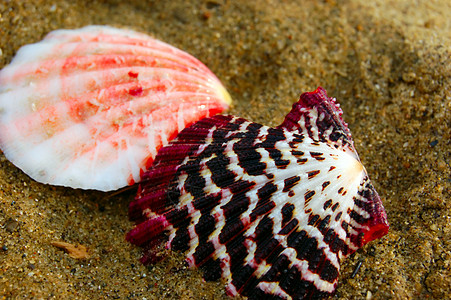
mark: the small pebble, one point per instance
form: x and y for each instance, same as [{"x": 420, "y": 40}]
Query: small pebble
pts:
[
  {"x": 441, "y": 165},
  {"x": 4, "y": 248},
  {"x": 11, "y": 225},
  {"x": 409, "y": 77}
]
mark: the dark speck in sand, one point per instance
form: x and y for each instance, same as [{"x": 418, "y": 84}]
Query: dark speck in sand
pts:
[{"x": 433, "y": 143}]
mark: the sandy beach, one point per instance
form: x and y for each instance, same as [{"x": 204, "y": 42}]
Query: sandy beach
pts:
[{"x": 388, "y": 63}]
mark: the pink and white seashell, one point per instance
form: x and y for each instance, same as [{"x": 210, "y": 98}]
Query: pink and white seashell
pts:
[{"x": 89, "y": 108}]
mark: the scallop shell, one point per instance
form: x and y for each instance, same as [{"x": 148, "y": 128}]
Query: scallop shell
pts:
[
  {"x": 89, "y": 108},
  {"x": 270, "y": 210}
]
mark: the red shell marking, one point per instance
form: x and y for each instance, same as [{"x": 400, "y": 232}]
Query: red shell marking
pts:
[{"x": 270, "y": 210}]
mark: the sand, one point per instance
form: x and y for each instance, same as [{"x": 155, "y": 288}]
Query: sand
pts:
[{"x": 388, "y": 64}]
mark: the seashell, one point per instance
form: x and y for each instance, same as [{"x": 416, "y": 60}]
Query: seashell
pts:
[
  {"x": 272, "y": 211},
  {"x": 89, "y": 108}
]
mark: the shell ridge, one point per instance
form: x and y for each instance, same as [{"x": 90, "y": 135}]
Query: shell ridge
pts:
[
  {"x": 101, "y": 33},
  {"x": 81, "y": 64}
]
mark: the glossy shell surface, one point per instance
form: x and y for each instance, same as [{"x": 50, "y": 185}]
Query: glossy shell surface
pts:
[
  {"x": 89, "y": 108},
  {"x": 272, "y": 211}
]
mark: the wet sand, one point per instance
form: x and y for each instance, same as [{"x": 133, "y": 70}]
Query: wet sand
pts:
[{"x": 388, "y": 63}]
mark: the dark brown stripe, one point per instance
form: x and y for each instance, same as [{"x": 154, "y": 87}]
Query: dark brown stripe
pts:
[
  {"x": 297, "y": 153},
  {"x": 203, "y": 251},
  {"x": 288, "y": 228},
  {"x": 328, "y": 272},
  {"x": 302, "y": 161},
  {"x": 212, "y": 270},
  {"x": 312, "y": 174},
  {"x": 220, "y": 175},
  {"x": 290, "y": 182},
  {"x": 325, "y": 184},
  {"x": 204, "y": 227},
  {"x": 327, "y": 204},
  {"x": 287, "y": 213},
  {"x": 308, "y": 196},
  {"x": 317, "y": 155},
  {"x": 336, "y": 205}
]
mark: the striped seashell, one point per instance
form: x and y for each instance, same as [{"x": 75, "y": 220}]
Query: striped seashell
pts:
[
  {"x": 272, "y": 211},
  {"x": 89, "y": 108}
]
